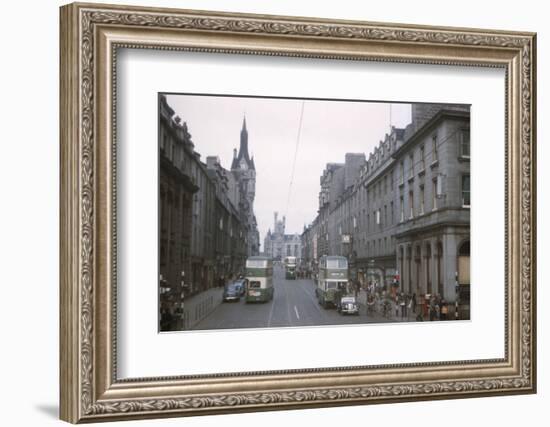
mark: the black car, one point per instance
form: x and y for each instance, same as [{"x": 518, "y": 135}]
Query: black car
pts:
[
  {"x": 232, "y": 292},
  {"x": 241, "y": 285}
]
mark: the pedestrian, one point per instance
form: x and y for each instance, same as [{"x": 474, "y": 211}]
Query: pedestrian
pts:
[
  {"x": 397, "y": 305},
  {"x": 403, "y": 304},
  {"x": 166, "y": 319},
  {"x": 413, "y": 302},
  {"x": 444, "y": 310}
]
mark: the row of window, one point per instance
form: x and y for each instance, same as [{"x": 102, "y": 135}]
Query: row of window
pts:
[
  {"x": 380, "y": 217},
  {"x": 436, "y": 191}
]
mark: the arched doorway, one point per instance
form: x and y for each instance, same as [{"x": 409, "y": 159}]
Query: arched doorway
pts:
[
  {"x": 439, "y": 255},
  {"x": 463, "y": 269},
  {"x": 401, "y": 267},
  {"x": 409, "y": 272},
  {"x": 428, "y": 257},
  {"x": 417, "y": 259},
  {"x": 464, "y": 263}
]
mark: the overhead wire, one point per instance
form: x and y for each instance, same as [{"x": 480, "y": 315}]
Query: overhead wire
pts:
[{"x": 293, "y": 170}]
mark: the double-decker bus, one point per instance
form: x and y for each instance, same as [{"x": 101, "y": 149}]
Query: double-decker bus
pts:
[
  {"x": 290, "y": 267},
  {"x": 259, "y": 279},
  {"x": 332, "y": 281}
]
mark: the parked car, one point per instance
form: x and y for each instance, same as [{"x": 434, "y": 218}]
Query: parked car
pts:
[
  {"x": 231, "y": 292},
  {"x": 348, "y": 305},
  {"x": 241, "y": 285}
]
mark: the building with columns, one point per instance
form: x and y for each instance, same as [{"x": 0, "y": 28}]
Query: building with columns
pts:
[{"x": 404, "y": 217}]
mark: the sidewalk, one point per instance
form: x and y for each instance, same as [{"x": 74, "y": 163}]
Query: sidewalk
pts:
[
  {"x": 199, "y": 306},
  {"x": 377, "y": 313}
]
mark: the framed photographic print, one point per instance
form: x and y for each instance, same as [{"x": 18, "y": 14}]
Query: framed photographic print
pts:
[{"x": 266, "y": 212}]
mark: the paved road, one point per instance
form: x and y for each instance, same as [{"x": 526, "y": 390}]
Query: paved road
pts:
[{"x": 294, "y": 304}]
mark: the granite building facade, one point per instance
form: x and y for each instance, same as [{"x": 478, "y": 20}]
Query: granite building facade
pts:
[
  {"x": 403, "y": 216},
  {"x": 207, "y": 226}
]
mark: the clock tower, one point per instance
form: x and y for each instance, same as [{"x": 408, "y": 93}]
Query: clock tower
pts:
[{"x": 244, "y": 170}]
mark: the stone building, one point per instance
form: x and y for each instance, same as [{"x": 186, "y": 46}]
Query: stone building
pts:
[
  {"x": 207, "y": 226},
  {"x": 278, "y": 245},
  {"x": 433, "y": 187},
  {"x": 230, "y": 244},
  {"x": 244, "y": 170},
  {"x": 404, "y": 218},
  {"x": 177, "y": 189}
]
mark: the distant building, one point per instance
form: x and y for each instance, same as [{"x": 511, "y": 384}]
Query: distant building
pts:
[{"x": 278, "y": 245}]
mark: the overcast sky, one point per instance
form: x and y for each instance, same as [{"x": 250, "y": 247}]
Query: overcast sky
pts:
[{"x": 330, "y": 129}]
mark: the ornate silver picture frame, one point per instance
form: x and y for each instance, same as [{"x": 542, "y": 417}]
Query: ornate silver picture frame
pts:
[{"x": 92, "y": 36}]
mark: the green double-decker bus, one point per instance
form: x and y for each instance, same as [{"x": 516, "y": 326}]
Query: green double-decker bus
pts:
[
  {"x": 259, "y": 279},
  {"x": 290, "y": 267},
  {"x": 332, "y": 282}
]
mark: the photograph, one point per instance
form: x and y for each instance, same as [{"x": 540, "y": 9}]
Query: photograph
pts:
[{"x": 289, "y": 212}]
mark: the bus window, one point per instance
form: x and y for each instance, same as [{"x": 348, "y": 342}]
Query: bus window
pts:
[
  {"x": 337, "y": 263},
  {"x": 254, "y": 284},
  {"x": 256, "y": 263}
]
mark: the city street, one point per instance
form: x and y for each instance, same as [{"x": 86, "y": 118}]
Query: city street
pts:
[{"x": 294, "y": 304}]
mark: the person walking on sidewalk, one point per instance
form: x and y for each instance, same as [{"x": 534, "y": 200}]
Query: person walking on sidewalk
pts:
[{"x": 403, "y": 305}]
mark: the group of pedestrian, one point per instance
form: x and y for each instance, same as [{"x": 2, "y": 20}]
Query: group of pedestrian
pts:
[
  {"x": 405, "y": 305},
  {"x": 438, "y": 308}
]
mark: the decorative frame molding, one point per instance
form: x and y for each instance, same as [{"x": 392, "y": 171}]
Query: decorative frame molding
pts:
[{"x": 90, "y": 36}]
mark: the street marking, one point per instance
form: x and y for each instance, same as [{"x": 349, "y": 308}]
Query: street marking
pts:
[
  {"x": 296, "y": 311},
  {"x": 271, "y": 311}
]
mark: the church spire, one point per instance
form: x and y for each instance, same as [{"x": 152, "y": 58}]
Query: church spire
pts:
[{"x": 243, "y": 150}]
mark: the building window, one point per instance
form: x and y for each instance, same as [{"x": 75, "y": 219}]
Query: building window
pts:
[
  {"x": 434, "y": 194},
  {"x": 402, "y": 172},
  {"x": 434, "y": 149},
  {"x": 385, "y": 214},
  {"x": 391, "y": 213},
  {"x": 411, "y": 161},
  {"x": 391, "y": 180},
  {"x": 421, "y": 200},
  {"x": 378, "y": 216},
  {"x": 354, "y": 222},
  {"x": 402, "y": 203},
  {"x": 465, "y": 143},
  {"x": 411, "y": 204},
  {"x": 422, "y": 163},
  {"x": 466, "y": 190},
  {"x": 368, "y": 219}
]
